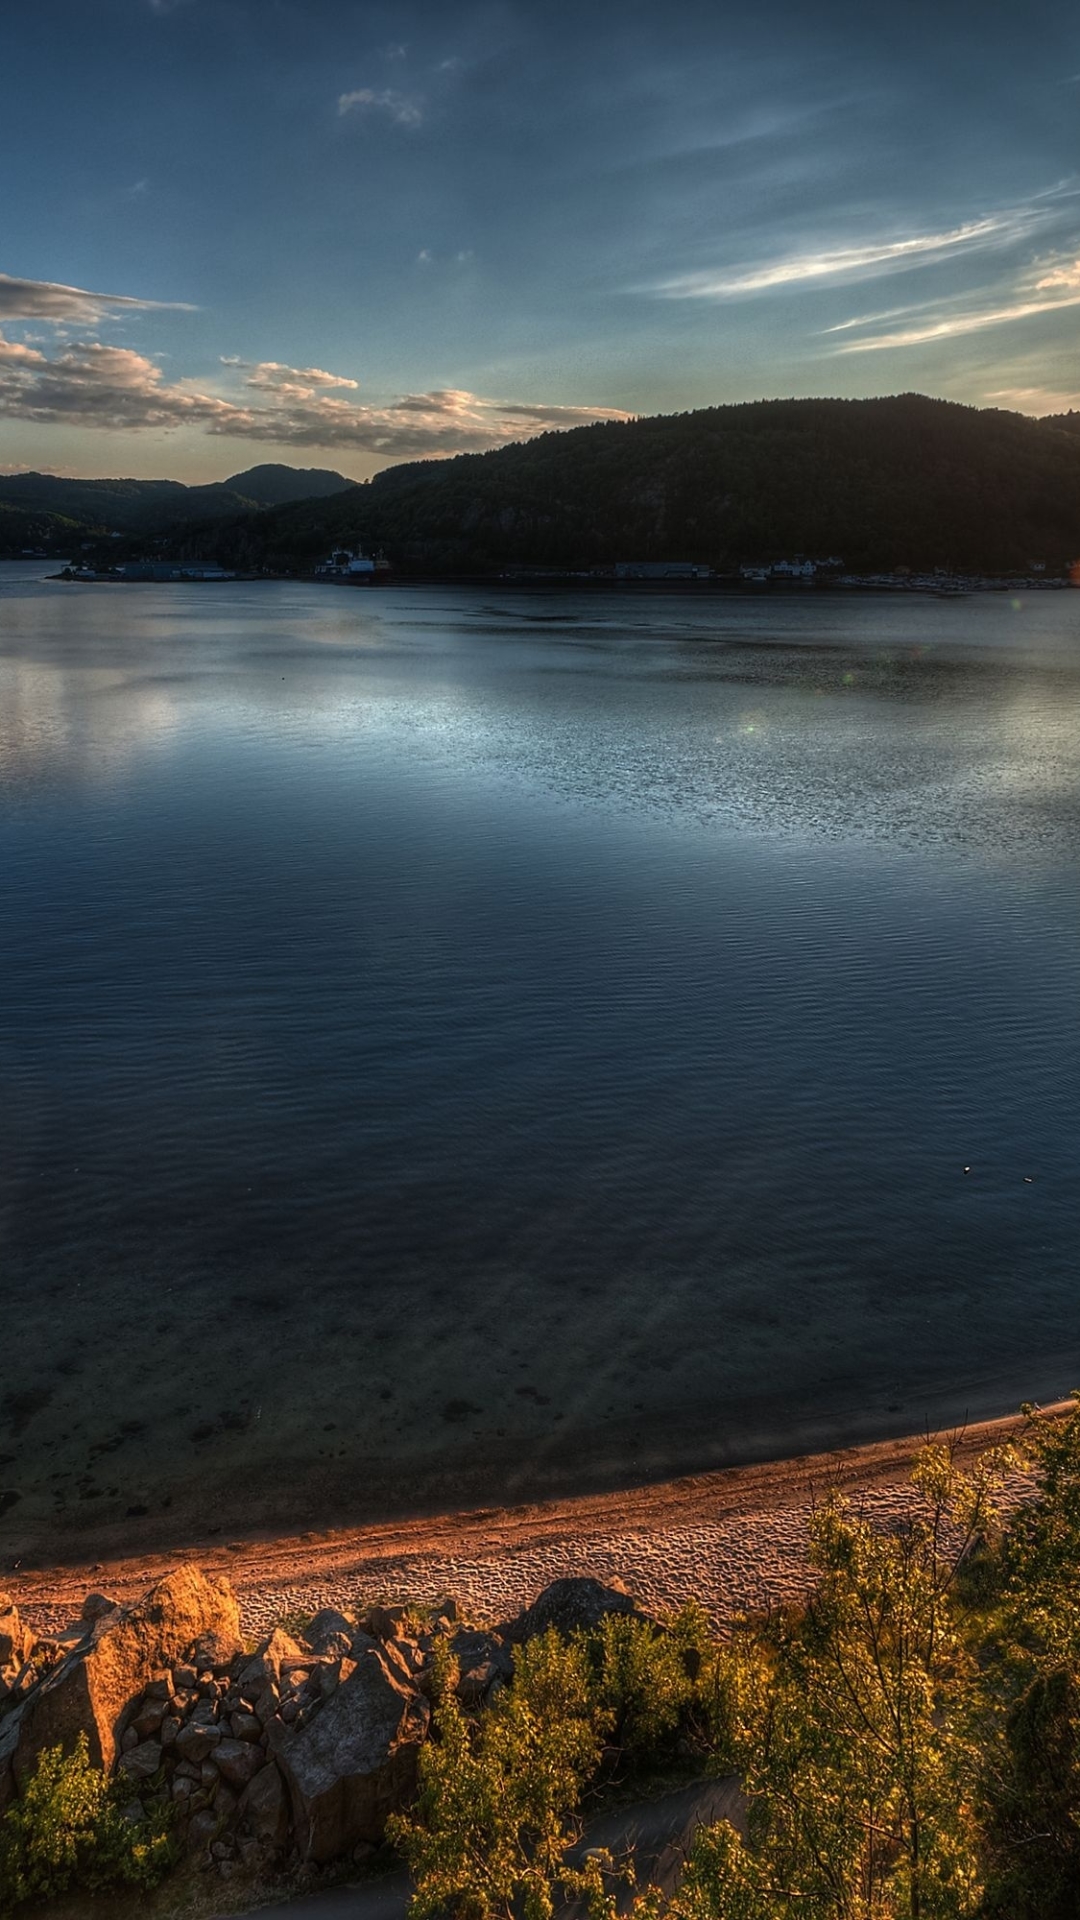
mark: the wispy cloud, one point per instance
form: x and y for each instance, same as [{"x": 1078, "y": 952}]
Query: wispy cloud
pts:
[
  {"x": 952, "y": 326},
  {"x": 49, "y": 300},
  {"x": 1037, "y": 400},
  {"x": 403, "y": 109},
  {"x": 845, "y": 263},
  {"x": 1067, "y": 275},
  {"x": 89, "y": 384}
]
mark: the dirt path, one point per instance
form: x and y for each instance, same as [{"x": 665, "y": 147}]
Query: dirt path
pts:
[{"x": 734, "y": 1539}]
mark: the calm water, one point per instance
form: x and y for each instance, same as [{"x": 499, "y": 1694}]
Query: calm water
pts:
[{"x": 458, "y": 1044}]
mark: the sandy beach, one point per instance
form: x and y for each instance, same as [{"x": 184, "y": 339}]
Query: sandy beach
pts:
[{"x": 734, "y": 1539}]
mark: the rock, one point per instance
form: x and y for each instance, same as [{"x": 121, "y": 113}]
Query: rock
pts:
[
  {"x": 237, "y": 1761},
  {"x": 267, "y": 1660},
  {"x": 170, "y": 1727},
  {"x": 245, "y": 1726},
  {"x": 383, "y": 1622},
  {"x": 142, "y": 1762},
  {"x": 128, "y": 1739},
  {"x": 96, "y": 1606},
  {"x": 570, "y": 1606},
  {"x": 16, "y": 1640},
  {"x": 330, "y": 1632},
  {"x": 92, "y": 1688},
  {"x": 201, "y": 1830},
  {"x": 354, "y": 1761},
  {"x": 194, "y": 1742},
  {"x": 215, "y": 1651},
  {"x": 265, "y": 1807},
  {"x": 185, "y": 1679},
  {"x": 150, "y": 1718}
]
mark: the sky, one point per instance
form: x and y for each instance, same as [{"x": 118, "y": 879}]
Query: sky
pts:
[{"x": 346, "y": 234}]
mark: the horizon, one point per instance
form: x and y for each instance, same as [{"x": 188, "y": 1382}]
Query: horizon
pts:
[
  {"x": 11, "y": 472},
  {"x": 350, "y": 235}
]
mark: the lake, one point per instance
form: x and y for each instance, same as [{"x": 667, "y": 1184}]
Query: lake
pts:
[{"x": 466, "y": 1044}]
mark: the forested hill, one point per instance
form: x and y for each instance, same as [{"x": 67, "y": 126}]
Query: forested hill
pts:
[
  {"x": 878, "y": 483},
  {"x": 46, "y": 508}
]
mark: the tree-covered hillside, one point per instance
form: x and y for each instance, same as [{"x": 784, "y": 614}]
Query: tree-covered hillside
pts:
[
  {"x": 45, "y": 509},
  {"x": 879, "y": 483}
]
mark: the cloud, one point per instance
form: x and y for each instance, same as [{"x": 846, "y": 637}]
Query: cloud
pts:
[
  {"x": 1063, "y": 276},
  {"x": 89, "y": 384},
  {"x": 401, "y": 108},
  {"x": 851, "y": 263},
  {"x": 302, "y": 383},
  {"x": 951, "y": 326},
  {"x": 49, "y": 300},
  {"x": 1037, "y": 400}
]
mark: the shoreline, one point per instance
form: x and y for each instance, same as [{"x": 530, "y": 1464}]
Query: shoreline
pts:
[{"x": 733, "y": 1538}]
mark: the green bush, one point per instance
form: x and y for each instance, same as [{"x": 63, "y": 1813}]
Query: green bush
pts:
[{"x": 67, "y": 1830}]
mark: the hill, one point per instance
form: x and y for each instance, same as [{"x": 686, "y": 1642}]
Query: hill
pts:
[
  {"x": 46, "y": 509},
  {"x": 904, "y": 481}
]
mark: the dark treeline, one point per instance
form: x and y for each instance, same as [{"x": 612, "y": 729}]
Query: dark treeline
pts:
[{"x": 905, "y": 481}]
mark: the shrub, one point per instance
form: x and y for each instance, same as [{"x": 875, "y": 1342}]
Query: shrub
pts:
[
  {"x": 68, "y": 1830},
  {"x": 497, "y": 1808}
]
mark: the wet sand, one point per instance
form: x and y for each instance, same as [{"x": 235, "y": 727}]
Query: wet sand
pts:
[{"x": 734, "y": 1539}]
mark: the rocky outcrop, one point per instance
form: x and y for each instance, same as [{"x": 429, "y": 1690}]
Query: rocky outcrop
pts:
[
  {"x": 92, "y": 1690},
  {"x": 355, "y": 1761},
  {"x": 571, "y": 1606},
  {"x": 295, "y": 1750},
  {"x": 16, "y": 1642}
]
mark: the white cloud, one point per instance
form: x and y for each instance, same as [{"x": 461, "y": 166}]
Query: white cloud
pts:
[
  {"x": 401, "y": 108},
  {"x": 116, "y": 388},
  {"x": 1067, "y": 275},
  {"x": 850, "y": 263},
  {"x": 953, "y": 325},
  {"x": 302, "y": 383},
  {"x": 1036, "y": 400},
  {"x": 49, "y": 300}
]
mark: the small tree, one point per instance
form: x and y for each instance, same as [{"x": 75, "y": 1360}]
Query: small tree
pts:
[
  {"x": 853, "y": 1726},
  {"x": 499, "y": 1794},
  {"x": 67, "y": 1830}
]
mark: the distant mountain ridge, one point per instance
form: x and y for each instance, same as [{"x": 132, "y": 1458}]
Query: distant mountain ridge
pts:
[
  {"x": 884, "y": 483},
  {"x": 60, "y": 508}
]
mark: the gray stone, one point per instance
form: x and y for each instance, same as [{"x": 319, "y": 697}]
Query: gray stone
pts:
[
  {"x": 201, "y": 1830},
  {"x": 265, "y": 1807},
  {"x": 571, "y": 1606},
  {"x": 142, "y": 1762},
  {"x": 330, "y": 1632},
  {"x": 354, "y": 1762},
  {"x": 194, "y": 1743},
  {"x": 237, "y": 1761},
  {"x": 169, "y": 1730},
  {"x": 267, "y": 1659},
  {"x": 246, "y": 1726}
]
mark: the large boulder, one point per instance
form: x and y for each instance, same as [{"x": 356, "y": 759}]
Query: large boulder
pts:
[
  {"x": 354, "y": 1761},
  {"x": 92, "y": 1689},
  {"x": 16, "y": 1642},
  {"x": 571, "y": 1606}
]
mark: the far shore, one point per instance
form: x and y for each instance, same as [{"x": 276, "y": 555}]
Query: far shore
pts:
[{"x": 734, "y": 1539}]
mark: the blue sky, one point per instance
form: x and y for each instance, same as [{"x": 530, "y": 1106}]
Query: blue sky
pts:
[{"x": 343, "y": 234}]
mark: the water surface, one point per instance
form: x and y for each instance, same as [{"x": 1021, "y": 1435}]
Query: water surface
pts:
[{"x": 461, "y": 1044}]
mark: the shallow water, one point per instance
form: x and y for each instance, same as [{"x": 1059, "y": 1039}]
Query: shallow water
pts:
[{"x": 459, "y": 1044}]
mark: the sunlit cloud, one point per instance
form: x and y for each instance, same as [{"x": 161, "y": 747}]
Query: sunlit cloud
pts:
[
  {"x": 1037, "y": 400},
  {"x": 50, "y": 300},
  {"x": 89, "y": 384},
  {"x": 952, "y": 326},
  {"x": 852, "y": 263},
  {"x": 401, "y": 108},
  {"x": 1067, "y": 275}
]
